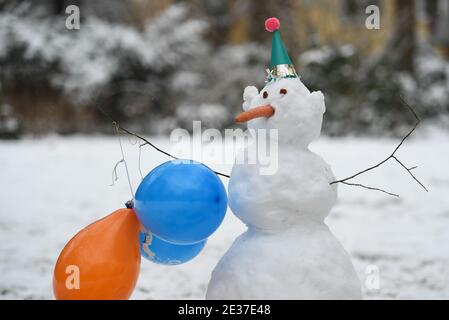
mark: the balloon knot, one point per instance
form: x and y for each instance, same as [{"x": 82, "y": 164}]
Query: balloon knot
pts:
[{"x": 129, "y": 204}]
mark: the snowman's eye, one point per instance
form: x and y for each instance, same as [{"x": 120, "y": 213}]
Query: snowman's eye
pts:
[
  {"x": 265, "y": 95},
  {"x": 283, "y": 91}
]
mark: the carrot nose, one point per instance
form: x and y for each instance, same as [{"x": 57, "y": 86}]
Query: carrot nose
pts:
[{"x": 257, "y": 112}]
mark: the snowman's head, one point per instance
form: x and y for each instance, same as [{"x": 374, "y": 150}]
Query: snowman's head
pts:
[{"x": 286, "y": 105}]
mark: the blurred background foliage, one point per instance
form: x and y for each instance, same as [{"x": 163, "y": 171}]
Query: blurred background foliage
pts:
[{"x": 158, "y": 65}]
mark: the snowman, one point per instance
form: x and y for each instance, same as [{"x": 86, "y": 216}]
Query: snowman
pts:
[{"x": 287, "y": 252}]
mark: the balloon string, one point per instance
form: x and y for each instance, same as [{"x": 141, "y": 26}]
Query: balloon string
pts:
[
  {"x": 115, "y": 124},
  {"x": 140, "y": 157}
]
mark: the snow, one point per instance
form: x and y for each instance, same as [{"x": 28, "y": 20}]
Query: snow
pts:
[{"x": 54, "y": 186}]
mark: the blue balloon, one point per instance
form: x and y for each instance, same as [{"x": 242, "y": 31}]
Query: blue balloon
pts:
[
  {"x": 163, "y": 252},
  {"x": 181, "y": 201}
]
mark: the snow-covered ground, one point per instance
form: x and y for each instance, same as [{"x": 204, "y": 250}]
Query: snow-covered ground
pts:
[{"x": 50, "y": 188}]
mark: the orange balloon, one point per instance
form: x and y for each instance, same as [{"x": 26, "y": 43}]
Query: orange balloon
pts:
[{"x": 102, "y": 261}]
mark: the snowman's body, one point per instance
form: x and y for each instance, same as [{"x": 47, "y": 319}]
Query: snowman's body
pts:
[
  {"x": 304, "y": 262},
  {"x": 287, "y": 252}
]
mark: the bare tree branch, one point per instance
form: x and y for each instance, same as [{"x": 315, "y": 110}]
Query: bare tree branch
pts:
[
  {"x": 145, "y": 141},
  {"x": 410, "y": 172},
  {"x": 391, "y": 156},
  {"x": 370, "y": 188}
]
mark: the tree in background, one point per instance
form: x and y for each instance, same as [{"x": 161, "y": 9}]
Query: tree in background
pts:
[
  {"x": 54, "y": 77},
  {"x": 400, "y": 50}
]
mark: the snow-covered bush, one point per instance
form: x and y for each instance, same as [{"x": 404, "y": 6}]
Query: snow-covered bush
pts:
[
  {"x": 10, "y": 125},
  {"x": 160, "y": 76},
  {"x": 125, "y": 69},
  {"x": 432, "y": 84},
  {"x": 217, "y": 82},
  {"x": 165, "y": 73},
  {"x": 210, "y": 115},
  {"x": 90, "y": 57},
  {"x": 363, "y": 94}
]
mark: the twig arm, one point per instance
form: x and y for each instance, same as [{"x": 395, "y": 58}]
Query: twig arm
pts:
[
  {"x": 391, "y": 156},
  {"x": 145, "y": 141}
]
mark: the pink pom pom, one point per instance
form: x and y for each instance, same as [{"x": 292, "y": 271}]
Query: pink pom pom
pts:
[{"x": 272, "y": 24}]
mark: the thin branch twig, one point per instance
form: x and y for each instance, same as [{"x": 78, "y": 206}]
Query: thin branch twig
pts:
[
  {"x": 410, "y": 172},
  {"x": 370, "y": 188},
  {"x": 146, "y": 142},
  {"x": 391, "y": 156}
]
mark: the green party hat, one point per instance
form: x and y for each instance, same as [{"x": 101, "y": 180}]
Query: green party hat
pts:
[{"x": 281, "y": 66}]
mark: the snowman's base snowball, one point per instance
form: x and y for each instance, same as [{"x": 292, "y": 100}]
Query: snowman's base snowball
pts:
[{"x": 305, "y": 262}]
